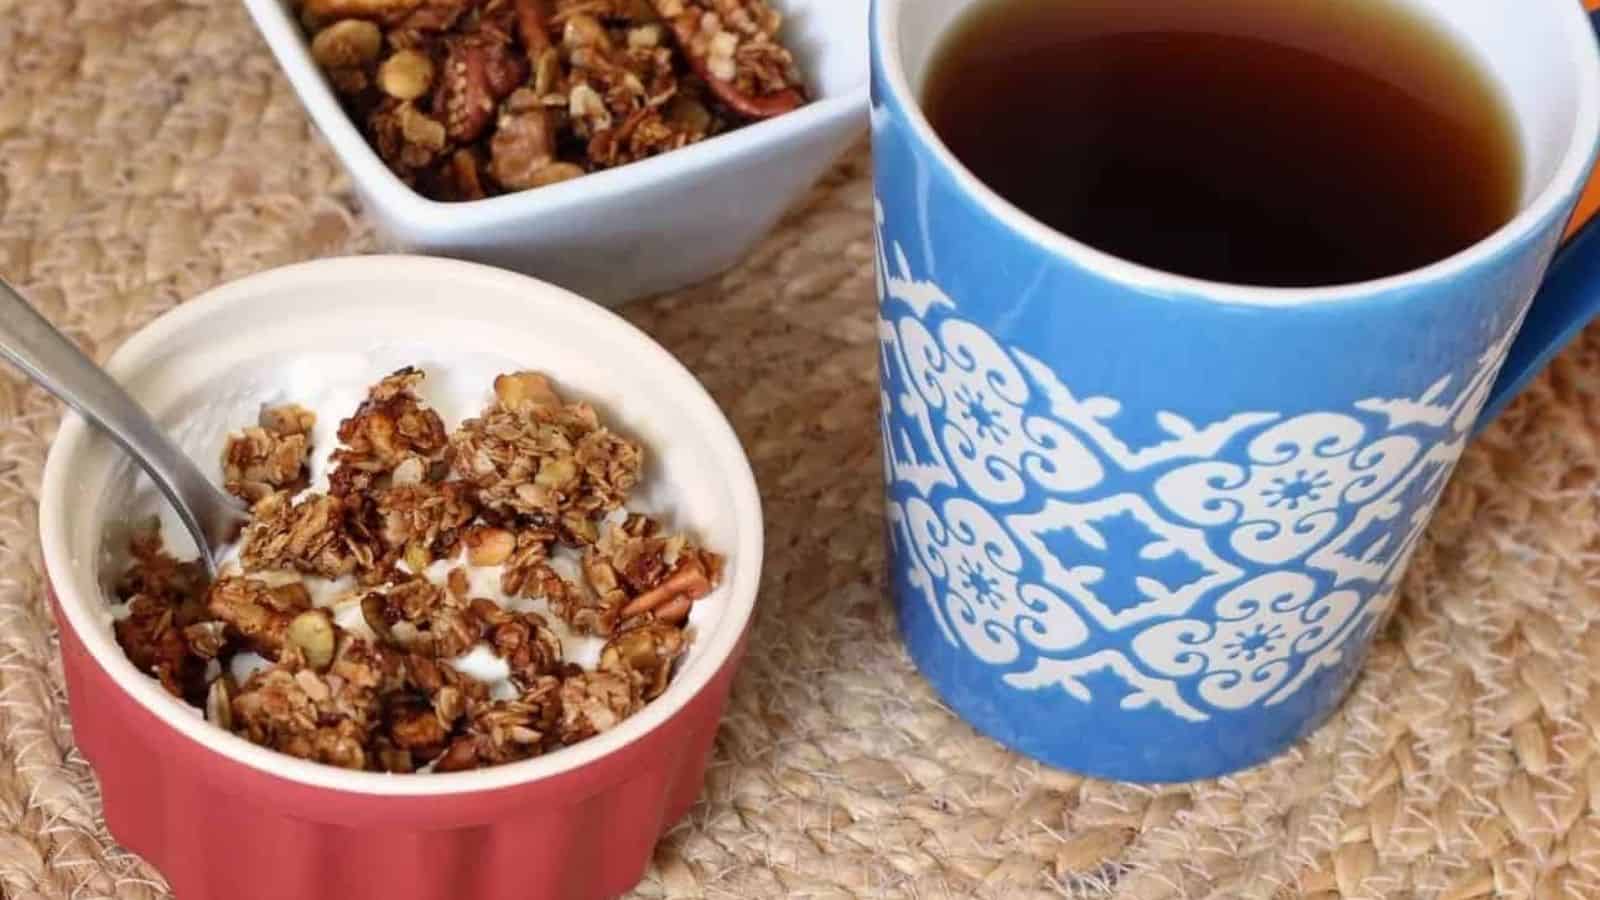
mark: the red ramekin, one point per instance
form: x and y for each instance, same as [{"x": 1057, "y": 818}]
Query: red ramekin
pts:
[{"x": 223, "y": 818}]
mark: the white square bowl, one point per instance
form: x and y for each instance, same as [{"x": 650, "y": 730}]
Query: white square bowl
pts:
[{"x": 638, "y": 229}]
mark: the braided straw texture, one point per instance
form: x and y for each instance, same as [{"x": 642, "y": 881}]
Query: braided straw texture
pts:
[{"x": 149, "y": 150}]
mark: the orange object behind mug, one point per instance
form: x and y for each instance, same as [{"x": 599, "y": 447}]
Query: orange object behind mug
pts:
[{"x": 1590, "y": 204}]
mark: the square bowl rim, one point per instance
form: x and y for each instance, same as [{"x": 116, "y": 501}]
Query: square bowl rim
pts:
[{"x": 413, "y": 212}]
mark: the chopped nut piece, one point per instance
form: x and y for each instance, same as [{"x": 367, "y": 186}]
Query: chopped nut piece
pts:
[
  {"x": 406, "y": 75},
  {"x": 489, "y": 546},
  {"x": 633, "y": 571},
  {"x": 522, "y": 391},
  {"x": 479, "y": 71},
  {"x": 533, "y": 26},
  {"x": 688, "y": 581},
  {"x": 312, "y": 634},
  {"x": 347, "y": 44},
  {"x": 219, "y": 704},
  {"x": 374, "y": 611},
  {"x": 422, "y": 26}
]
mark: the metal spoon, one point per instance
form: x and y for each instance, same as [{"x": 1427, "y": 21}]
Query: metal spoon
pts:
[{"x": 44, "y": 354}]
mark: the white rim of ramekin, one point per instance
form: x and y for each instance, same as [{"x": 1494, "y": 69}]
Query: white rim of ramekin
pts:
[
  {"x": 1576, "y": 164},
  {"x": 700, "y": 412}
]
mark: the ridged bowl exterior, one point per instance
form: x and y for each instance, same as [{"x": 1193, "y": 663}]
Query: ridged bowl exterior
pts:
[{"x": 221, "y": 830}]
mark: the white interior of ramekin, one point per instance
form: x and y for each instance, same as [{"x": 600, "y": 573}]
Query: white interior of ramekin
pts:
[{"x": 211, "y": 352}]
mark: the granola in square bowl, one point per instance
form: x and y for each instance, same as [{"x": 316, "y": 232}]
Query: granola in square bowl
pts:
[{"x": 466, "y": 99}]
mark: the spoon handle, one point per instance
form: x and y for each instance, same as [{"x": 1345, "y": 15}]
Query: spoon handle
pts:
[{"x": 47, "y": 356}]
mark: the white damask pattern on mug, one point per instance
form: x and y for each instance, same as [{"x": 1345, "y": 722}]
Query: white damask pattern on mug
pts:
[{"x": 1125, "y": 579}]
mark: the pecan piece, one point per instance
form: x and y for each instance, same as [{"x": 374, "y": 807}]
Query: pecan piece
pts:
[
  {"x": 732, "y": 45},
  {"x": 477, "y": 73},
  {"x": 635, "y": 572},
  {"x": 427, "y": 21},
  {"x": 533, "y": 27}
]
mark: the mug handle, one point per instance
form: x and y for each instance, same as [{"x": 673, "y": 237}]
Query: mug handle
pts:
[{"x": 1568, "y": 300}]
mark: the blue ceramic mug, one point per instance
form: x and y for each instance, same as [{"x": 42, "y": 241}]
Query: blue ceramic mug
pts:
[{"x": 1145, "y": 527}]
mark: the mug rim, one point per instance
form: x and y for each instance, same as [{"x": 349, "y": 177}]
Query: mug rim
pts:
[{"x": 1577, "y": 162}]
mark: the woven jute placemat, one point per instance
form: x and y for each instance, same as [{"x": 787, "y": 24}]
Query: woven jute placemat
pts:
[{"x": 149, "y": 150}]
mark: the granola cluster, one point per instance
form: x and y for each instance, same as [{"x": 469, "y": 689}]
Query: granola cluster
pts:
[
  {"x": 410, "y": 513},
  {"x": 465, "y": 99}
]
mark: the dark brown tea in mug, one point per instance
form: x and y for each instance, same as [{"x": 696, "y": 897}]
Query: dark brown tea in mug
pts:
[{"x": 1282, "y": 143}]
